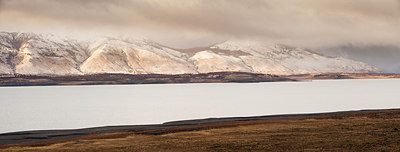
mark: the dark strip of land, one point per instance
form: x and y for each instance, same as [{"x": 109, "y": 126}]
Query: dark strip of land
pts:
[
  {"x": 103, "y": 79},
  {"x": 343, "y": 76},
  {"x": 215, "y": 77}
]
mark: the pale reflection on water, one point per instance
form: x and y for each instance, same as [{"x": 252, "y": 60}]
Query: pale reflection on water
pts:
[{"x": 62, "y": 107}]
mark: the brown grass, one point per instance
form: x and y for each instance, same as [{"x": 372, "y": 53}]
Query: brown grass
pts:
[
  {"x": 370, "y": 131},
  {"x": 344, "y": 76}
]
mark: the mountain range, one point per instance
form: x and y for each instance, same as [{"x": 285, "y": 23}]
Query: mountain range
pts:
[{"x": 46, "y": 54}]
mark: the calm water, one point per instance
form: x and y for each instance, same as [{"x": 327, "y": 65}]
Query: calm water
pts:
[{"x": 62, "y": 107}]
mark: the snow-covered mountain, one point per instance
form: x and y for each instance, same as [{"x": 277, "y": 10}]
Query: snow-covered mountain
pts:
[
  {"x": 271, "y": 58},
  {"x": 43, "y": 54},
  {"x": 135, "y": 57},
  {"x": 27, "y": 53}
]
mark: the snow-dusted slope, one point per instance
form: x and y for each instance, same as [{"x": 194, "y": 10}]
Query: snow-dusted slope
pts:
[
  {"x": 6, "y": 51},
  {"x": 136, "y": 57},
  {"x": 272, "y": 59},
  {"x": 41, "y": 54},
  {"x": 208, "y": 61},
  {"x": 28, "y": 53}
]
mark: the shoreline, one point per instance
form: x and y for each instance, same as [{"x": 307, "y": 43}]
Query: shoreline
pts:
[
  {"x": 215, "y": 77},
  {"x": 111, "y": 79},
  {"x": 46, "y": 137}
]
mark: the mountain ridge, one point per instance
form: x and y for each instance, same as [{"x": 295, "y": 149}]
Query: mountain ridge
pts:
[{"x": 42, "y": 54}]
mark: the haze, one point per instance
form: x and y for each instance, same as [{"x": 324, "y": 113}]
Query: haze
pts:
[{"x": 370, "y": 27}]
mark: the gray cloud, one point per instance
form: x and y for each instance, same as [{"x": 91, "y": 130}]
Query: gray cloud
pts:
[
  {"x": 182, "y": 23},
  {"x": 386, "y": 58}
]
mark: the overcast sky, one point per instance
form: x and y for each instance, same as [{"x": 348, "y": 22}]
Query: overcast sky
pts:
[{"x": 313, "y": 24}]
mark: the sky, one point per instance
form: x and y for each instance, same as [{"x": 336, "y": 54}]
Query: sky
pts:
[{"x": 347, "y": 27}]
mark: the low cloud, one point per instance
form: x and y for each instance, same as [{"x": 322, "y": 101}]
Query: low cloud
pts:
[{"x": 180, "y": 23}]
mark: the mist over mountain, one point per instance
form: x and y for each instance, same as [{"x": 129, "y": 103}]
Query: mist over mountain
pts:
[
  {"x": 362, "y": 30},
  {"x": 385, "y": 58}
]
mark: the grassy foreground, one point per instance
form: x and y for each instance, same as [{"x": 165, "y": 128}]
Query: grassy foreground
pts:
[{"x": 367, "y": 131}]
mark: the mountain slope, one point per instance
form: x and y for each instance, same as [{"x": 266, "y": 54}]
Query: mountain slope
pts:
[
  {"x": 28, "y": 53},
  {"x": 274, "y": 59},
  {"x": 136, "y": 57},
  {"x": 41, "y": 54}
]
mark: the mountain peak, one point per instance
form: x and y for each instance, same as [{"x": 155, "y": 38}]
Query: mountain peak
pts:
[{"x": 242, "y": 44}]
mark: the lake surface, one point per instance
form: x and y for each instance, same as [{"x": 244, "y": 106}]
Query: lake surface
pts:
[{"x": 70, "y": 107}]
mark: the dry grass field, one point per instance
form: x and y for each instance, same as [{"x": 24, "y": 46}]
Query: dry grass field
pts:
[{"x": 367, "y": 131}]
